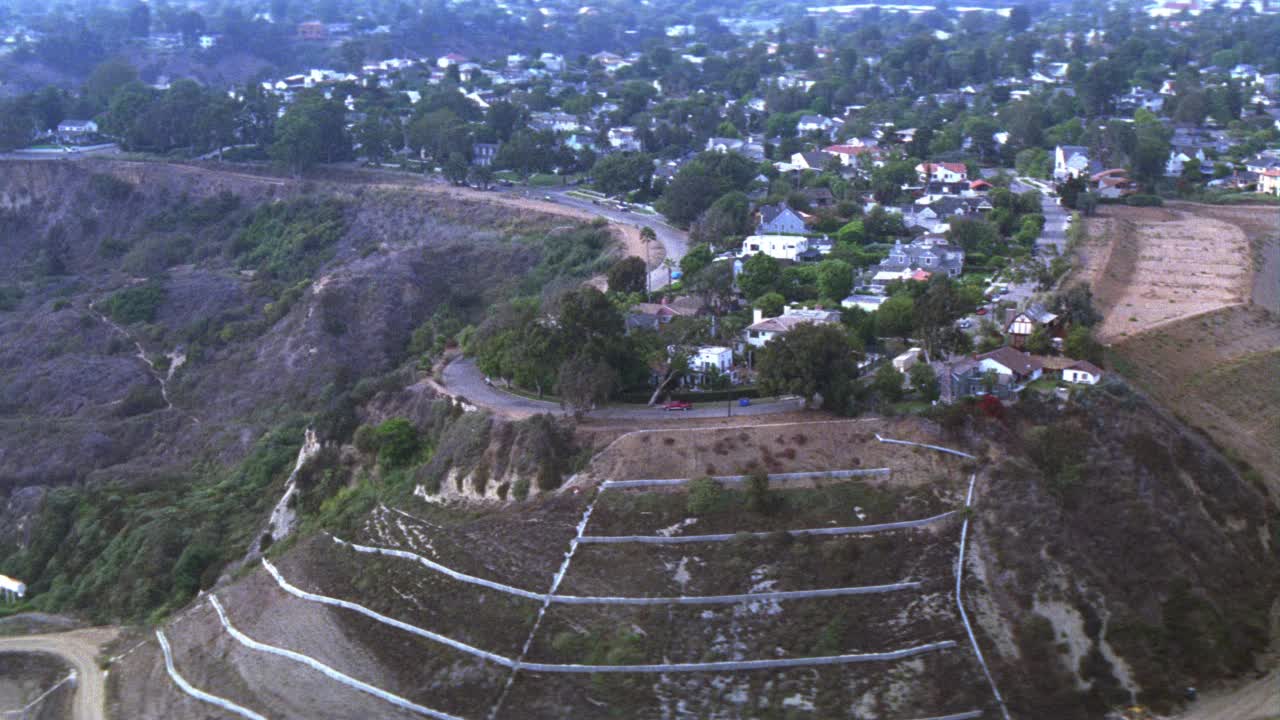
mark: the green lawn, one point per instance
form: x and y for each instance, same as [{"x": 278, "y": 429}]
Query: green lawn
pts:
[
  {"x": 910, "y": 407},
  {"x": 1046, "y": 385}
]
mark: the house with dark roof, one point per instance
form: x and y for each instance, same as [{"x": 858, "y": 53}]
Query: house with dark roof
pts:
[
  {"x": 1020, "y": 326},
  {"x": 812, "y": 160},
  {"x": 931, "y": 253},
  {"x": 779, "y": 219},
  {"x": 1023, "y": 367},
  {"x": 819, "y": 197},
  {"x": 1082, "y": 372},
  {"x": 1002, "y": 373},
  {"x": 1070, "y": 161}
]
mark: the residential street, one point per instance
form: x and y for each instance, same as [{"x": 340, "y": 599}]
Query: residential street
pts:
[
  {"x": 1056, "y": 221},
  {"x": 674, "y": 240},
  {"x": 462, "y": 377}
]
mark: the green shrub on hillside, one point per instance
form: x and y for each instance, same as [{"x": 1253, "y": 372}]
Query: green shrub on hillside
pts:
[
  {"x": 288, "y": 241},
  {"x": 135, "y": 304},
  {"x": 705, "y": 496},
  {"x": 569, "y": 255},
  {"x": 397, "y": 440},
  {"x": 140, "y": 399},
  {"x": 140, "y": 549}
]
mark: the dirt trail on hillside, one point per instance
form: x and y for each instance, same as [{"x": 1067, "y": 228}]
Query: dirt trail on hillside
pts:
[{"x": 79, "y": 649}]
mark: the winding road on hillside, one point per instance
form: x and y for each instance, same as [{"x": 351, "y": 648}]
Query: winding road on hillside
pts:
[
  {"x": 673, "y": 239},
  {"x": 79, "y": 649},
  {"x": 462, "y": 377}
]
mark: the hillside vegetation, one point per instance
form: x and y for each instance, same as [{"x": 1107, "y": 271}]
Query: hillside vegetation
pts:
[{"x": 168, "y": 334}]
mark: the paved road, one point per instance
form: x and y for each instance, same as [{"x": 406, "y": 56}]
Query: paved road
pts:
[
  {"x": 79, "y": 649},
  {"x": 1054, "y": 235},
  {"x": 674, "y": 240},
  {"x": 462, "y": 377}
]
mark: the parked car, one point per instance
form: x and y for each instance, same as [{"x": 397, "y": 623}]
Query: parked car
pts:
[
  {"x": 982, "y": 311},
  {"x": 677, "y": 405},
  {"x": 964, "y": 324}
]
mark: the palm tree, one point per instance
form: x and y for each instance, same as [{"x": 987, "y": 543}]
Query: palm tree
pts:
[{"x": 647, "y": 235}]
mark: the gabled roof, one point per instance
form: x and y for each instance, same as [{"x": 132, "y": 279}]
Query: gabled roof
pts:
[
  {"x": 1071, "y": 151},
  {"x": 791, "y": 318},
  {"x": 770, "y": 213},
  {"x": 1113, "y": 172},
  {"x": 929, "y": 167},
  {"x": 853, "y": 150},
  {"x": 1020, "y": 363},
  {"x": 1086, "y": 366},
  {"x": 815, "y": 159}
]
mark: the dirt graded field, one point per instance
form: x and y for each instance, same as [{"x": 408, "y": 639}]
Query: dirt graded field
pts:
[
  {"x": 1148, "y": 266},
  {"x": 777, "y": 447},
  {"x": 1190, "y": 296}
]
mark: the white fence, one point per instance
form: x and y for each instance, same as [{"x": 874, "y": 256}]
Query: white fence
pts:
[
  {"x": 964, "y": 616},
  {"x": 325, "y": 669},
  {"x": 939, "y": 448},
  {"x": 196, "y": 693},
  {"x": 621, "y": 600},
  {"x": 726, "y": 537},
  {"x": 778, "y": 477},
  {"x": 571, "y": 668}
]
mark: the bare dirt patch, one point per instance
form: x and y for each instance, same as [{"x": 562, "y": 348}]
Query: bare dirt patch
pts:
[
  {"x": 1153, "y": 265},
  {"x": 1187, "y": 293},
  {"x": 776, "y": 447}
]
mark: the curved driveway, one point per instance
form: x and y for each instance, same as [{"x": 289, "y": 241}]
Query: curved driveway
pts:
[
  {"x": 462, "y": 377},
  {"x": 79, "y": 649}
]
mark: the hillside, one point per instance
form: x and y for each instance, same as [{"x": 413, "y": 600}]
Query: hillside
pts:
[
  {"x": 1118, "y": 566},
  {"x": 170, "y": 331},
  {"x": 1191, "y": 303}
]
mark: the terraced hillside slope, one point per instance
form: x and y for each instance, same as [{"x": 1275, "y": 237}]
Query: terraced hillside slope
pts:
[{"x": 1114, "y": 570}]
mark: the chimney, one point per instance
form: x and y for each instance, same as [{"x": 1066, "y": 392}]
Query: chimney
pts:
[{"x": 757, "y": 315}]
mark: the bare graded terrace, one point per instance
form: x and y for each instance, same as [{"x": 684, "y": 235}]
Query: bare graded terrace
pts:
[
  {"x": 777, "y": 447},
  {"x": 896, "y": 650},
  {"x": 1190, "y": 295},
  {"x": 1148, "y": 266}
]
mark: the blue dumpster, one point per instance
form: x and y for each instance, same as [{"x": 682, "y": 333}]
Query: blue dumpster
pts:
[{"x": 744, "y": 402}]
